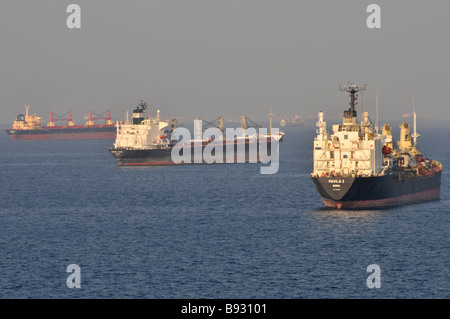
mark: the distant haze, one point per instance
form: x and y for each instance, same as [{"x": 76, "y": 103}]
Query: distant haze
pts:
[{"x": 209, "y": 58}]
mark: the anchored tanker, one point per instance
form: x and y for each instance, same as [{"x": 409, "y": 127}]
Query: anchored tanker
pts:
[
  {"x": 358, "y": 167},
  {"x": 148, "y": 141}
]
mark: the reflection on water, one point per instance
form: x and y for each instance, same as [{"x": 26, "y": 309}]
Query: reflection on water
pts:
[
  {"x": 357, "y": 211},
  {"x": 339, "y": 216}
]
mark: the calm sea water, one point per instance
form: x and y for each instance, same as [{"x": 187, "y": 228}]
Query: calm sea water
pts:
[{"x": 209, "y": 231}]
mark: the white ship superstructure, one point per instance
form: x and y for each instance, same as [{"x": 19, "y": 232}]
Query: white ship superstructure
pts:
[
  {"x": 141, "y": 133},
  {"x": 352, "y": 149}
]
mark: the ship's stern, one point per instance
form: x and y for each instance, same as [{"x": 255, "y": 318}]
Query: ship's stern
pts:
[{"x": 333, "y": 190}]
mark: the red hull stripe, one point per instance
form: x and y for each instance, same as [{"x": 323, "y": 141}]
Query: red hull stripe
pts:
[{"x": 423, "y": 196}]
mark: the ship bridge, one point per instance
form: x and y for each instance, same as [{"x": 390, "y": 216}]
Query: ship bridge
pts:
[
  {"x": 352, "y": 149},
  {"x": 142, "y": 132}
]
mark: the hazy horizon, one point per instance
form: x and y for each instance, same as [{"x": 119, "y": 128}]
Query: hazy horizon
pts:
[{"x": 211, "y": 58}]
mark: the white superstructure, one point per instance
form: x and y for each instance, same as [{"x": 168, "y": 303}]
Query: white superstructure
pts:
[
  {"x": 352, "y": 149},
  {"x": 141, "y": 133}
]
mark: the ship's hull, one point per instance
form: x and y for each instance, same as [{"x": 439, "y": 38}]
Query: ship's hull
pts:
[
  {"x": 377, "y": 191},
  {"x": 96, "y": 132},
  {"x": 163, "y": 156}
]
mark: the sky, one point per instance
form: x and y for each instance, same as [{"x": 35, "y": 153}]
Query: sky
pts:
[{"x": 208, "y": 58}]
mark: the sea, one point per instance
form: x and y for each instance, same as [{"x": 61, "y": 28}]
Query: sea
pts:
[{"x": 208, "y": 231}]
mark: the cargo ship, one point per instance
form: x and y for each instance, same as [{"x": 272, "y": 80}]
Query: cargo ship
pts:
[
  {"x": 29, "y": 127},
  {"x": 148, "y": 141},
  {"x": 357, "y": 167}
]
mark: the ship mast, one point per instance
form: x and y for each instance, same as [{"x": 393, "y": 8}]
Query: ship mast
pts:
[
  {"x": 353, "y": 89},
  {"x": 415, "y": 135},
  {"x": 270, "y": 121},
  {"x": 376, "y": 124}
]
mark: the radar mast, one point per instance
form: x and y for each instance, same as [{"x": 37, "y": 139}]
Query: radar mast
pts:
[{"x": 353, "y": 89}]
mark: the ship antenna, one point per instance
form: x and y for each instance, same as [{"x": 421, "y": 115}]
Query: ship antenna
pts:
[
  {"x": 361, "y": 107},
  {"x": 143, "y": 105},
  {"x": 415, "y": 135},
  {"x": 376, "y": 124},
  {"x": 270, "y": 118}
]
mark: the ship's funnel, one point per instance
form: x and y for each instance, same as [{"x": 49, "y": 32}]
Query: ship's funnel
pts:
[{"x": 138, "y": 113}]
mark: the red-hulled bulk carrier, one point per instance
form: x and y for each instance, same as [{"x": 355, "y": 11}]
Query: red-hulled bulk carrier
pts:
[{"x": 29, "y": 127}]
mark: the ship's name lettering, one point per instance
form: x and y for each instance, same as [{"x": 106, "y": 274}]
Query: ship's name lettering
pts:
[{"x": 336, "y": 181}]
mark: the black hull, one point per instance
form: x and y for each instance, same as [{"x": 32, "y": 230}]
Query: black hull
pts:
[
  {"x": 377, "y": 191},
  {"x": 163, "y": 156},
  {"x": 142, "y": 157}
]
